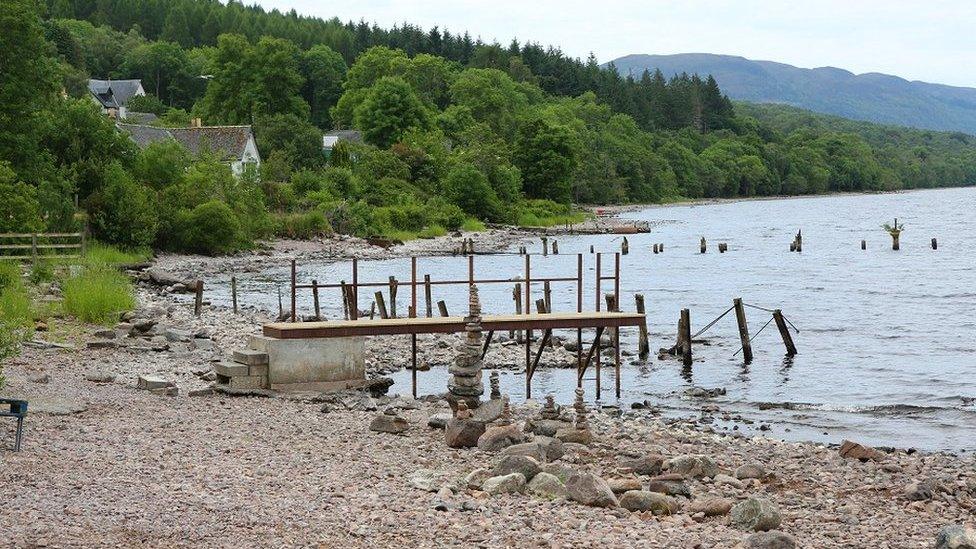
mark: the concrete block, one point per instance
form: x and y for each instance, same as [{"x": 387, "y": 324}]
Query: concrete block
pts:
[
  {"x": 231, "y": 369},
  {"x": 261, "y": 370},
  {"x": 250, "y": 357},
  {"x": 151, "y": 383},
  {"x": 247, "y": 382},
  {"x": 259, "y": 342},
  {"x": 304, "y": 361}
]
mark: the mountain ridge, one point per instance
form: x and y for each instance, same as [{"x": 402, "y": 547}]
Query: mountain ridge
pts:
[{"x": 871, "y": 96}]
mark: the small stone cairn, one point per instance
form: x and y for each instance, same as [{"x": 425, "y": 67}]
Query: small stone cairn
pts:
[
  {"x": 580, "y": 431},
  {"x": 549, "y": 419},
  {"x": 496, "y": 391},
  {"x": 463, "y": 431},
  {"x": 549, "y": 410},
  {"x": 465, "y": 382}
]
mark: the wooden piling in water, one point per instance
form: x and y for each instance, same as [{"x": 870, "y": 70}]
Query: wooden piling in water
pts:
[
  {"x": 555, "y": 247},
  {"x": 643, "y": 347},
  {"x": 935, "y": 244},
  {"x": 624, "y": 246},
  {"x": 684, "y": 337},
  {"x": 799, "y": 241},
  {"x": 702, "y": 245},
  {"x": 442, "y": 307},
  {"x": 655, "y": 248},
  {"x": 233, "y": 292},
  {"x": 427, "y": 297},
  {"x": 545, "y": 245},
  {"x": 722, "y": 247},
  {"x": 784, "y": 332},
  {"x": 661, "y": 247},
  {"x": 198, "y": 299},
  {"x": 591, "y": 248},
  {"x": 381, "y": 304},
  {"x": 864, "y": 244},
  {"x": 394, "y": 285},
  {"x": 547, "y": 295},
  {"x": 315, "y": 299},
  {"x": 345, "y": 300},
  {"x": 740, "y": 319}
]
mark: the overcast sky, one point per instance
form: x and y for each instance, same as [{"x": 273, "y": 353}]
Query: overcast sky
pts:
[{"x": 933, "y": 40}]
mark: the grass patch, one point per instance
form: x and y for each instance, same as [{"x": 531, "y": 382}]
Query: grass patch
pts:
[
  {"x": 432, "y": 231},
  {"x": 546, "y": 213},
  {"x": 98, "y": 294},
  {"x": 16, "y": 312},
  {"x": 472, "y": 225},
  {"x": 103, "y": 254},
  {"x": 41, "y": 271}
]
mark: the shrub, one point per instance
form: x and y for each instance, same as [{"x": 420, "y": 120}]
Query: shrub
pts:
[
  {"x": 16, "y": 312},
  {"x": 469, "y": 189},
  {"x": 124, "y": 212},
  {"x": 19, "y": 209},
  {"x": 103, "y": 254},
  {"x": 432, "y": 231},
  {"x": 9, "y": 274},
  {"x": 98, "y": 294},
  {"x": 41, "y": 271},
  {"x": 210, "y": 228},
  {"x": 472, "y": 225},
  {"x": 444, "y": 213},
  {"x": 304, "y": 225}
]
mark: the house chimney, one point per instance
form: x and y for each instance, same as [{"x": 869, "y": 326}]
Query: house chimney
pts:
[{"x": 196, "y": 123}]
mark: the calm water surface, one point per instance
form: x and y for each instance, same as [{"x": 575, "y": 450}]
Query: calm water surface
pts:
[{"x": 887, "y": 340}]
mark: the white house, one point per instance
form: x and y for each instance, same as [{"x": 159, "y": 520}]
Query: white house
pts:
[
  {"x": 231, "y": 144},
  {"x": 112, "y": 95}
]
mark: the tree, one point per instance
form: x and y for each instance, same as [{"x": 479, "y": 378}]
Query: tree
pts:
[
  {"x": 546, "y": 154},
  {"x": 19, "y": 209},
  {"x": 276, "y": 81},
  {"x": 161, "y": 164},
  {"x": 390, "y": 109},
  {"x": 492, "y": 97},
  {"x": 467, "y": 187},
  {"x": 324, "y": 71},
  {"x": 177, "y": 26},
  {"x": 164, "y": 70},
  {"x": 124, "y": 212},
  {"x": 296, "y": 139}
]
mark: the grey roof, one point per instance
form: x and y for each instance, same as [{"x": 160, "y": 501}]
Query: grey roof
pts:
[
  {"x": 132, "y": 117},
  {"x": 346, "y": 135},
  {"x": 113, "y": 93},
  {"x": 225, "y": 142}
]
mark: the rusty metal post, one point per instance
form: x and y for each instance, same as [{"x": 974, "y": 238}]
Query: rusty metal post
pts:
[
  {"x": 233, "y": 292},
  {"x": 198, "y": 299},
  {"x": 597, "y": 361},
  {"x": 354, "y": 292},
  {"x": 413, "y": 287},
  {"x": 528, "y": 333},
  {"x": 579, "y": 309},
  {"x": 427, "y": 296}
]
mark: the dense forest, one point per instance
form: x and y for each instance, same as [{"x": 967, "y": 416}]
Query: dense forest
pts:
[{"x": 455, "y": 131}]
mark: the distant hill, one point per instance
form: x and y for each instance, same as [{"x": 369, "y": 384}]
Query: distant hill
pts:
[{"x": 874, "y": 97}]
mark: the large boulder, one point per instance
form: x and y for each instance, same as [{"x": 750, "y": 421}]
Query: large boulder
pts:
[
  {"x": 853, "y": 450},
  {"x": 619, "y": 485},
  {"x": 507, "y": 484},
  {"x": 710, "y": 507},
  {"x": 692, "y": 466},
  {"x": 547, "y": 486},
  {"x": 648, "y": 465},
  {"x": 499, "y": 437},
  {"x": 642, "y": 500},
  {"x": 956, "y": 536},
  {"x": 463, "y": 433},
  {"x": 590, "y": 490},
  {"x": 546, "y": 427},
  {"x": 525, "y": 465},
  {"x": 387, "y": 423},
  {"x": 750, "y": 471},
  {"x": 543, "y": 449},
  {"x": 488, "y": 411},
  {"x": 774, "y": 539},
  {"x": 756, "y": 514},
  {"x": 439, "y": 420},
  {"x": 574, "y": 435}
]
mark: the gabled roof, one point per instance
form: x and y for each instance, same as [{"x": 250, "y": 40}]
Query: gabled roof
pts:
[
  {"x": 133, "y": 117},
  {"x": 113, "y": 93},
  {"x": 227, "y": 143}
]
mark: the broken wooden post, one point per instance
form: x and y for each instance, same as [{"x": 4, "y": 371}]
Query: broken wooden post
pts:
[
  {"x": 799, "y": 241},
  {"x": 345, "y": 300},
  {"x": 793, "y": 246},
  {"x": 381, "y": 304},
  {"x": 281, "y": 308},
  {"x": 372, "y": 310},
  {"x": 684, "y": 337},
  {"x": 935, "y": 244},
  {"x": 655, "y": 248},
  {"x": 895, "y": 232},
  {"x": 442, "y": 307},
  {"x": 393, "y": 293},
  {"x": 864, "y": 244},
  {"x": 661, "y": 247},
  {"x": 540, "y": 306},
  {"x": 740, "y": 318},
  {"x": 517, "y": 296},
  {"x": 555, "y": 247},
  {"x": 722, "y": 247},
  {"x": 643, "y": 348},
  {"x": 702, "y": 246},
  {"x": 784, "y": 332},
  {"x": 591, "y": 248},
  {"x": 624, "y": 246},
  {"x": 547, "y": 295},
  {"x": 427, "y": 297},
  {"x": 545, "y": 245},
  {"x": 198, "y": 299},
  {"x": 315, "y": 299},
  {"x": 233, "y": 292}
]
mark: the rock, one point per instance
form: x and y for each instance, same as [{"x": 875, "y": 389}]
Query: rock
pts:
[
  {"x": 162, "y": 277},
  {"x": 526, "y": 466},
  {"x": 574, "y": 435},
  {"x": 353, "y": 401},
  {"x": 591, "y": 490},
  {"x": 42, "y": 379},
  {"x": 669, "y": 487},
  {"x": 642, "y": 500},
  {"x": 546, "y": 427},
  {"x": 439, "y": 420},
  {"x": 542, "y": 449},
  {"x": 721, "y": 479},
  {"x": 105, "y": 334},
  {"x": 177, "y": 336},
  {"x": 102, "y": 344},
  {"x": 507, "y": 484},
  {"x": 920, "y": 490},
  {"x": 476, "y": 478},
  {"x": 692, "y": 466},
  {"x": 198, "y": 344},
  {"x": 166, "y": 391},
  {"x": 488, "y": 411},
  {"x": 463, "y": 432},
  {"x": 750, "y": 471},
  {"x": 386, "y": 423},
  {"x": 427, "y": 480},
  {"x": 100, "y": 377},
  {"x": 496, "y": 438},
  {"x": 143, "y": 325},
  {"x": 853, "y": 450},
  {"x": 648, "y": 465},
  {"x": 200, "y": 392},
  {"x": 150, "y": 383},
  {"x": 711, "y": 507},
  {"x": 956, "y": 536},
  {"x": 620, "y": 485},
  {"x": 40, "y": 326},
  {"x": 756, "y": 514},
  {"x": 547, "y": 486},
  {"x": 403, "y": 403},
  {"x": 774, "y": 539},
  {"x": 558, "y": 470}
]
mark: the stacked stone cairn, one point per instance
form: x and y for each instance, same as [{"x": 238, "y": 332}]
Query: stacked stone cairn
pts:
[
  {"x": 465, "y": 382},
  {"x": 463, "y": 431},
  {"x": 549, "y": 420},
  {"x": 580, "y": 431},
  {"x": 496, "y": 391},
  {"x": 503, "y": 434},
  {"x": 491, "y": 410}
]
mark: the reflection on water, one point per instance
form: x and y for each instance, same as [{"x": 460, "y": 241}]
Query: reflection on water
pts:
[{"x": 887, "y": 340}]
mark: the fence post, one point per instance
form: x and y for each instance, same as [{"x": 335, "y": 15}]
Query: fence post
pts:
[
  {"x": 294, "y": 280},
  {"x": 685, "y": 336},
  {"x": 517, "y": 296},
  {"x": 740, "y": 318},
  {"x": 643, "y": 348},
  {"x": 198, "y": 300},
  {"x": 34, "y": 247},
  {"x": 393, "y": 293},
  {"x": 427, "y": 298},
  {"x": 442, "y": 307},
  {"x": 381, "y": 304},
  {"x": 345, "y": 300},
  {"x": 315, "y": 299},
  {"x": 233, "y": 293},
  {"x": 784, "y": 332}
]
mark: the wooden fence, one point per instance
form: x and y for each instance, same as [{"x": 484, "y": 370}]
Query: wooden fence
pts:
[{"x": 36, "y": 246}]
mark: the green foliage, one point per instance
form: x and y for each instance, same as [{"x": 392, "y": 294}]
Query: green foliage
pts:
[
  {"x": 389, "y": 109},
  {"x": 104, "y": 254},
  {"x": 19, "y": 209},
  {"x": 304, "y": 225},
  {"x": 98, "y": 294},
  {"x": 546, "y": 213},
  {"x": 472, "y": 225},
  {"x": 16, "y": 312},
  {"x": 324, "y": 71},
  {"x": 146, "y": 103},
  {"x": 210, "y": 228},
  {"x": 546, "y": 154},
  {"x": 124, "y": 212},
  {"x": 467, "y": 187},
  {"x": 432, "y": 231},
  {"x": 291, "y": 136},
  {"x": 161, "y": 164},
  {"x": 42, "y": 270}
]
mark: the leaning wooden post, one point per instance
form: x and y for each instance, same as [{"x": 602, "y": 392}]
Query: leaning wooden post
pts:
[
  {"x": 643, "y": 347},
  {"x": 198, "y": 300},
  {"x": 701, "y": 245},
  {"x": 294, "y": 291},
  {"x": 281, "y": 308},
  {"x": 624, "y": 246},
  {"x": 935, "y": 244},
  {"x": 784, "y": 332},
  {"x": 427, "y": 297},
  {"x": 685, "y": 337},
  {"x": 315, "y": 299},
  {"x": 233, "y": 292},
  {"x": 381, "y": 304},
  {"x": 442, "y": 307},
  {"x": 393, "y": 293},
  {"x": 740, "y": 318}
]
